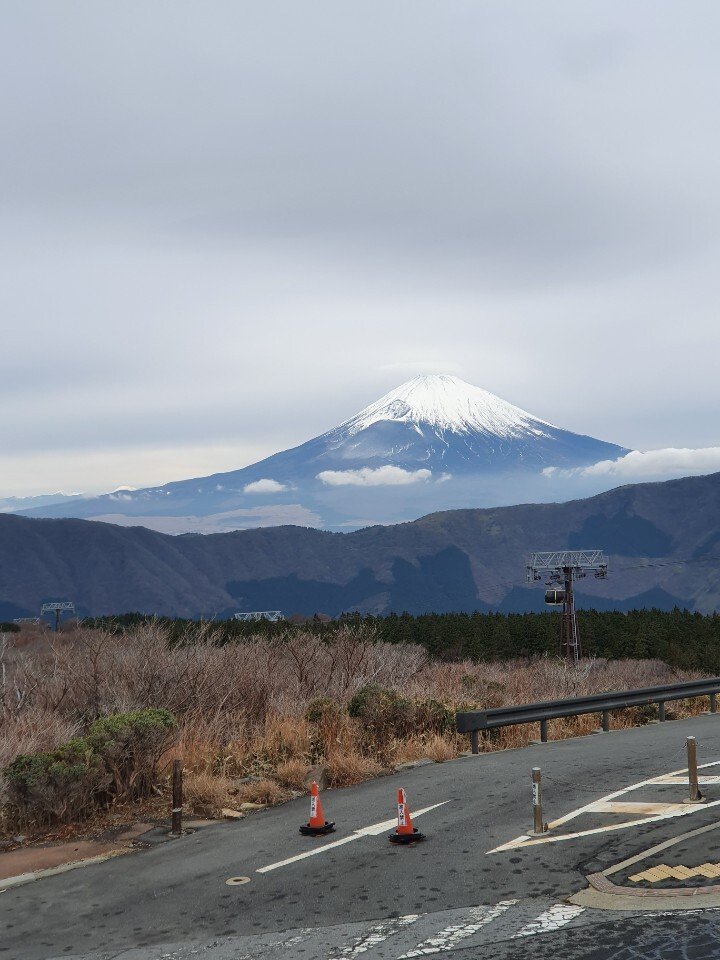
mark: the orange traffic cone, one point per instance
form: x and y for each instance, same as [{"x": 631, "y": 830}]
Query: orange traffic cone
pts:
[
  {"x": 405, "y": 832},
  {"x": 317, "y": 825}
]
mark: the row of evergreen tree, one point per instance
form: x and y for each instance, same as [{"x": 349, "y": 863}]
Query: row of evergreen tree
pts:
[{"x": 679, "y": 637}]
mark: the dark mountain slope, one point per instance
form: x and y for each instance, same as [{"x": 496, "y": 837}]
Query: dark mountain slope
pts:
[{"x": 663, "y": 540}]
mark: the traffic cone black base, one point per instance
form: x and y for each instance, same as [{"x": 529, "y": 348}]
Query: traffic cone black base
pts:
[
  {"x": 307, "y": 831},
  {"x": 413, "y": 837}
]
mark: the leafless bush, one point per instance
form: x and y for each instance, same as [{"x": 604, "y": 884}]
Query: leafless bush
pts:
[{"x": 272, "y": 707}]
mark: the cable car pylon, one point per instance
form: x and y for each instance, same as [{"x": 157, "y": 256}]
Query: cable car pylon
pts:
[{"x": 564, "y": 567}]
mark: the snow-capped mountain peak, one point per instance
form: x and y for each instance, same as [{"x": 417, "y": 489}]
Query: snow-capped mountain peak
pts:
[
  {"x": 448, "y": 404},
  {"x": 433, "y": 443}
]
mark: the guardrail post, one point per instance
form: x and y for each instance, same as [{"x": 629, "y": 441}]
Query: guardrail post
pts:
[
  {"x": 538, "y": 824},
  {"x": 606, "y": 721},
  {"x": 661, "y": 711},
  {"x": 713, "y": 703},
  {"x": 177, "y": 799},
  {"x": 474, "y": 741},
  {"x": 543, "y": 731},
  {"x": 692, "y": 770}
]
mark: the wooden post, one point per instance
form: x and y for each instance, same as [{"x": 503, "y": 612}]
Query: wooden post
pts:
[
  {"x": 543, "y": 731},
  {"x": 713, "y": 703},
  {"x": 177, "y": 798},
  {"x": 606, "y": 721},
  {"x": 538, "y": 825},
  {"x": 692, "y": 770}
]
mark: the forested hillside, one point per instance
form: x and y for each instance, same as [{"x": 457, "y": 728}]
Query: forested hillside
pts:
[
  {"x": 690, "y": 641},
  {"x": 663, "y": 541}
]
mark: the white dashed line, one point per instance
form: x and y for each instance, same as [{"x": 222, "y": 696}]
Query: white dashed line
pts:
[
  {"x": 376, "y": 935},
  {"x": 451, "y": 936},
  {"x": 554, "y": 918}
]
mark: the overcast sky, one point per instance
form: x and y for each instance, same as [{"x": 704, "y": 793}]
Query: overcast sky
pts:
[{"x": 227, "y": 226}]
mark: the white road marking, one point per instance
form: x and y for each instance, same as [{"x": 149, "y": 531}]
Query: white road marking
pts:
[
  {"x": 449, "y": 938},
  {"x": 372, "y": 831},
  {"x": 677, "y": 810},
  {"x": 625, "y": 806},
  {"x": 670, "y": 780},
  {"x": 527, "y": 841},
  {"x": 624, "y": 790},
  {"x": 554, "y": 918},
  {"x": 656, "y": 849},
  {"x": 376, "y": 935}
]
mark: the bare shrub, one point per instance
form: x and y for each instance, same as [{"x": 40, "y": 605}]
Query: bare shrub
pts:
[
  {"x": 33, "y": 730},
  {"x": 272, "y": 706}
]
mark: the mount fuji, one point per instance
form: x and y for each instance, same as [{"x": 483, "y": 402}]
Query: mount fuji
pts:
[{"x": 435, "y": 442}]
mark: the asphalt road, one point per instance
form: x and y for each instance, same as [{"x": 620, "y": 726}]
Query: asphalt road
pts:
[{"x": 368, "y": 898}]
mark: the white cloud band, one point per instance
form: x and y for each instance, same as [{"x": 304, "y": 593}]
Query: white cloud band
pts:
[
  {"x": 652, "y": 464},
  {"x": 265, "y": 486},
  {"x": 387, "y": 476}
]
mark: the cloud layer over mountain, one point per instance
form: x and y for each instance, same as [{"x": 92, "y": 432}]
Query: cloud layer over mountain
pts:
[{"x": 649, "y": 464}]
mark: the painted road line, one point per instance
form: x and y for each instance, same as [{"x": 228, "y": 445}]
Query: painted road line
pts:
[
  {"x": 20, "y": 879},
  {"x": 627, "y": 806},
  {"x": 454, "y": 934},
  {"x": 672, "y": 810},
  {"x": 552, "y": 919},
  {"x": 683, "y": 781},
  {"x": 376, "y": 935},
  {"x": 373, "y": 830},
  {"x": 527, "y": 841},
  {"x": 658, "y": 848},
  {"x": 619, "y": 793}
]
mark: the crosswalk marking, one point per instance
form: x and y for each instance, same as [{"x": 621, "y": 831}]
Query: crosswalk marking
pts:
[
  {"x": 409, "y": 937},
  {"x": 376, "y": 935},
  {"x": 448, "y": 938},
  {"x": 554, "y": 918}
]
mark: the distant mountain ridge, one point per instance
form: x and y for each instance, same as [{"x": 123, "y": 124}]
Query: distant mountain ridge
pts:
[
  {"x": 433, "y": 443},
  {"x": 663, "y": 540}
]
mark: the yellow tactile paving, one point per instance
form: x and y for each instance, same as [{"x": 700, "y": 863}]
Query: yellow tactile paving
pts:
[{"x": 663, "y": 872}]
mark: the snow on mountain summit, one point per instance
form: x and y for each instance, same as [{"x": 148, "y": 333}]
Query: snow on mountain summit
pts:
[
  {"x": 435, "y": 442},
  {"x": 447, "y": 403}
]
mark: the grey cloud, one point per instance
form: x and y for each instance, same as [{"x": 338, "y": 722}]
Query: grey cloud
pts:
[{"x": 237, "y": 222}]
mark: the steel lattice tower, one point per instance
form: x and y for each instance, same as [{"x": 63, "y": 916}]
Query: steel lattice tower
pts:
[{"x": 564, "y": 567}]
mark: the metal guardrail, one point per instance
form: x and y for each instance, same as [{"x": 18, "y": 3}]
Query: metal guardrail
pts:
[{"x": 474, "y": 721}]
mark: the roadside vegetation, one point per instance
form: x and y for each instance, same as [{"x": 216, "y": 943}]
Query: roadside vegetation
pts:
[
  {"x": 91, "y": 718},
  {"x": 678, "y": 637}
]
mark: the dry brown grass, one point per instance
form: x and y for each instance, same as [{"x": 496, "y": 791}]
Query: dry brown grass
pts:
[
  {"x": 345, "y": 769},
  {"x": 292, "y": 774},
  {"x": 241, "y": 708},
  {"x": 262, "y": 791},
  {"x": 439, "y": 749},
  {"x": 207, "y": 794}
]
